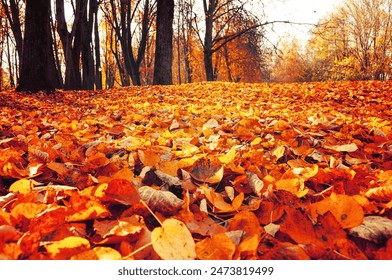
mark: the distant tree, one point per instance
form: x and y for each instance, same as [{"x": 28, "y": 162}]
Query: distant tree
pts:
[
  {"x": 355, "y": 41},
  {"x": 164, "y": 43},
  {"x": 11, "y": 10},
  {"x": 121, "y": 16},
  {"x": 38, "y": 69},
  {"x": 225, "y": 20},
  {"x": 289, "y": 65}
]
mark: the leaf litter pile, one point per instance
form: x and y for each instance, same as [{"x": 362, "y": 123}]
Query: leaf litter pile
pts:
[{"x": 198, "y": 171}]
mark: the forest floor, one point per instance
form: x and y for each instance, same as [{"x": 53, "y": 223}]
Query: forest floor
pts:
[{"x": 198, "y": 171}]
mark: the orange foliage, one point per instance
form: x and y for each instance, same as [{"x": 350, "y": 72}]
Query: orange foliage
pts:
[{"x": 198, "y": 171}]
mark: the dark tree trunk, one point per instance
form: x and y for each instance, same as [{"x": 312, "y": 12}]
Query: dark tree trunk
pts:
[
  {"x": 71, "y": 45},
  {"x": 164, "y": 43},
  {"x": 87, "y": 52},
  {"x": 209, "y": 11},
  {"x": 98, "y": 72},
  {"x": 38, "y": 69}
]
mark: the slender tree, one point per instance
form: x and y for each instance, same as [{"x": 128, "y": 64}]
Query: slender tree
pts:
[
  {"x": 38, "y": 69},
  {"x": 164, "y": 43}
]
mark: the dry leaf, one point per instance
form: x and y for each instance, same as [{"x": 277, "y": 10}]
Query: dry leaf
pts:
[
  {"x": 121, "y": 227},
  {"x": 345, "y": 208},
  {"x": 68, "y": 247},
  {"x": 121, "y": 191},
  {"x": 217, "y": 247},
  {"x": 173, "y": 241},
  {"x": 219, "y": 203},
  {"x": 373, "y": 228},
  {"x": 22, "y": 186},
  {"x": 352, "y": 147},
  {"x": 229, "y": 157},
  {"x": 207, "y": 170},
  {"x": 161, "y": 201},
  {"x": 256, "y": 184}
]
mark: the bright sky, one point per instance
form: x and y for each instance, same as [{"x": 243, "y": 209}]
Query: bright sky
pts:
[{"x": 304, "y": 11}]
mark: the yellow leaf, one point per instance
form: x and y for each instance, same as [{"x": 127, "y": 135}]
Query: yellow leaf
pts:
[
  {"x": 98, "y": 253},
  {"x": 293, "y": 185},
  {"x": 67, "y": 247},
  {"x": 173, "y": 241},
  {"x": 229, "y": 157},
  {"x": 279, "y": 152},
  {"x": 22, "y": 186},
  {"x": 92, "y": 210}
]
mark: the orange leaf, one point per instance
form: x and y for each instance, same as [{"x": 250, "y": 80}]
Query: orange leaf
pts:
[
  {"x": 293, "y": 185},
  {"x": 246, "y": 221},
  {"x": 217, "y": 247},
  {"x": 345, "y": 208},
  {"x": 121, "y": 191},
  {"x": 121, "y": 227},
  {"x": 219, "y": 203}
]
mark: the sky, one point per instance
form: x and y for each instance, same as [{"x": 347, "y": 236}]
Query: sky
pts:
[{"x": 304, "y": 11}]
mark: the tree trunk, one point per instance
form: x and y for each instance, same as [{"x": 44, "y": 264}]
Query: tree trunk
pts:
[
  {"x": 164, "y": 43},
  {"x": 98, "y": 71},
  {"x": 12, "y": 13},
  {"x": 209, "y": 21},
  {"x": 38, "y": 69},
  {"x": 71, "y": 45},
  {"x": 87, "y": 52}
]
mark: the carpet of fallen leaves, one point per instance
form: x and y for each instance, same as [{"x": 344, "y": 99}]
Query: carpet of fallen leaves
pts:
[{"x": 198, "y": 171}]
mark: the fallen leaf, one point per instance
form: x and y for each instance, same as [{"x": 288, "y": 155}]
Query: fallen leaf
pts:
[
  {"x": 121, "y": 227},
  {"x": 121, "y": 191},
  {"x": 207, "y": 170},
  {"x": 345, "y": 208},
  {"x": 383, "y": 193},
  {"x": 229, "y": 157},
  {"x": 98, "y": 253},
  {"x": 68, "y": 247},
  {"x": 352, "y": 147},
  {"x": 219, "y": 203},
  {"x": 173, "y": 241},
  {"x": 373, "y": 228},
  {"x": 217, "y": 247},
  {"x": 22, "y": 186},
  {"x": 255, "y": 183},
  {"x": 161, "y": 201}
]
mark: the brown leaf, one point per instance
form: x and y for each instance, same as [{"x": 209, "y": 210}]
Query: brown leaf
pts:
[
  {"x": 373, "y": 228},
  {"x": 162, "y": 201},
  {"x": 207, "y": 170}
]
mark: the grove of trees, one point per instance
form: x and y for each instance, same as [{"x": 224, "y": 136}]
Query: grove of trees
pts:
[
  {"x": 353, "y": 42},
  {"x": 95, "y": 44}
]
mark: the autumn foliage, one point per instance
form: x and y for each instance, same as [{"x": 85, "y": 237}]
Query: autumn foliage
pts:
[{"x": 198, "y": 171}]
